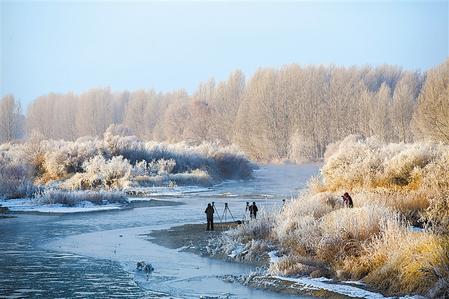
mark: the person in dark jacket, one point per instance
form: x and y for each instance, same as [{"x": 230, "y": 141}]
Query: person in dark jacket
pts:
[
  {"x": 253, "y": 210},
  {"x": 210, "y": 217},
  {"x": 347, "y": 200}
]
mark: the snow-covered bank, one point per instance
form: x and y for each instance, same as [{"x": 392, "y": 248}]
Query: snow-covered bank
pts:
[
  {"x": 395, "y": 189},
  {"x": 329, "y": 285},
  {"x": 163, "y": 191},
  {"x": 191, "y": 238},
  {"x": 30, "y": 205}
]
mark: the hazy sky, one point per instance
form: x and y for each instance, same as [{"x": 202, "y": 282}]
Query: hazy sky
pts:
[{"x": 62, "y": 46}]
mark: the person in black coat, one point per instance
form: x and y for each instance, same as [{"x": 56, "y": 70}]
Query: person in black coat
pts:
[
  {"x": 253, "y": 210},
  {"x": 210, "y": 217},
  {"x": 347, "y": 200}
]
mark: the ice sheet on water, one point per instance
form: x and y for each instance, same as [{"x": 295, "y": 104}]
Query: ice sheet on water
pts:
[
  {"x": 166, "y": 191},
  {"x": 28, "y": 205}
]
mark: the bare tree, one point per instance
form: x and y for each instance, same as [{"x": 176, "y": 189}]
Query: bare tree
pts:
[
  {"x": 11, "y": 119},
  {"x": 289, "y": 113},
  {"x": 404, "y": 102},
  {"x": 431, "y": 119}
]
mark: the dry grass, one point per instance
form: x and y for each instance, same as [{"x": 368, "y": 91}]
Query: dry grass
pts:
[
  {"x": 392, "y": 186},
  {"x": 400, "y": 261}
]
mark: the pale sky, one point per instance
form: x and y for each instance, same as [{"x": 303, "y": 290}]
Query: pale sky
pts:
[{"x": 60, "y": 46}]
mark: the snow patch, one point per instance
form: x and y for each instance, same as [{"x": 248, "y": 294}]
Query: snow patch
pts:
[
  {"x": 324, "y": 283},
  {"x": 28, "y": 205},
  {"x": 274, "y": 258},
  {"x": 238, "y": 250}
]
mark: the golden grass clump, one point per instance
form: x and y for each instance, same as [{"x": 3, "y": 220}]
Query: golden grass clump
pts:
[
  {"x": 355, "y": 162},
  {"x": 400, "y": 261},
  {"x": 393, "y": 187}
]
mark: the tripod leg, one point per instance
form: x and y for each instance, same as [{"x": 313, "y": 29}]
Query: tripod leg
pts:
[
  {"x": 231, "y": 214},
  {"x": 218, "y": 214},
  {"x": 224, "y": 215}
]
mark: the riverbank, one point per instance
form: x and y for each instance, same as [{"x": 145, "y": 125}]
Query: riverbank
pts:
[
  {"x": 194, "y": 238},
  {"x": 29, "y": 206}
]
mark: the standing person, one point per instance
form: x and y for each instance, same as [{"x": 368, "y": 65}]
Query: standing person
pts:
[
  {"x": 210, "y": 217},
  {"x": 245, "y": 217},
  {"x": 253, "y": 210},
  {"x": 347, "y": 200}
]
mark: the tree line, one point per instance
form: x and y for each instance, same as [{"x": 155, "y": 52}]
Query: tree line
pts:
[{"x": 289, "y": 113}]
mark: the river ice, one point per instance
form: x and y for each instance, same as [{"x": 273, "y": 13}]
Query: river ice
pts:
[{"x": 95, "y": 254}]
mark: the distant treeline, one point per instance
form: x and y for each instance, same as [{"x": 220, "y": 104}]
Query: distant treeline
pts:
[{"x": 289, "y": 113}]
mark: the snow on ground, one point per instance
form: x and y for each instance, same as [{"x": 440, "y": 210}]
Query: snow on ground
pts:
[
  {"x": 238, "y": 250},
  {"x": 416, "y": 229},
  {"x": 326, "y": 284},
  {"x": 273, "y": 256},
  {"x": 166, "y": 191},
  {"x": 28, "y": 205}
]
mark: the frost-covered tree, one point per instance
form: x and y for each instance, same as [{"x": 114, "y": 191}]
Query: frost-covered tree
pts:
[
  {"x": 403, "y": 105},
  {"x": 292, "y": 112},
  {"x": 431, "y": 119},
  {"x": 94, "y": 112},
  {"x": 380, "y": 113},
  {"x": 11, "y": 119}
]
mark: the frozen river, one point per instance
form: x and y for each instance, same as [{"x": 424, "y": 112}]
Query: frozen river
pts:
[{"x": 93, "y": 255}]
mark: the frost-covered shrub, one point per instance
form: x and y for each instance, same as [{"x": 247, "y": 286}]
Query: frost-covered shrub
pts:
[
  {"x": 343, "y": 231},
  {"x": 15, "y": 176},
  {"x": 100, "y": 173},
  {"x": 410, "y": 178},
  {"x": 63, "y": 158},
  {"x": 367, "y": 163},
  {"x": 401, "y": 261},
  {"x": 296, "y": 265},
  {"x": 194, "y": 177},
  {"x": 393, "y": 186},
  {"x": 73, "y": 198},
  {"x": 257, "y": 229},
  {"x": 117, "y": 161}
]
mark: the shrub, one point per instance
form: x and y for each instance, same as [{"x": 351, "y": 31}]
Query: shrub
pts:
[
  {"x": 258, "y": 229},
  {"x": 15, "y": 178},
  {"x": 73, "y": 198},
  {"x": 401, "y": 261},
  {"x": 392, "y": 186},
  {"x": 78, "y": 163},
  {"x": 100, "y": 173}
]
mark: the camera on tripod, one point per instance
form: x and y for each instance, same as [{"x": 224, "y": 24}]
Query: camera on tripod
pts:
[{"x": 225, "y": 213}]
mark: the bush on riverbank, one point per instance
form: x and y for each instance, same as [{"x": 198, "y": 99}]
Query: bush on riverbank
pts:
[
  {"x": 15, "y": 177},
  {"x": 114, "y": 163},
  {"x": 71, "y": 199},
  {"x": 393, "y": 186}
]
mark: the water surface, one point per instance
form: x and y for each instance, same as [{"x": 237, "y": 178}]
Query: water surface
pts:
[{"x": 93, "y": 255}]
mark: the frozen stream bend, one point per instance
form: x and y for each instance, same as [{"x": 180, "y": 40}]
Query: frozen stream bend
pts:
[{"x": 94, "y": 254}]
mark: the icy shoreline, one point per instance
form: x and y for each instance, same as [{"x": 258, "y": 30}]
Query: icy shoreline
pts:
[
  {"x": 136, "y": 196},
  {"x": 29, "y": 205},
  {"x": 192, "y": 238}
]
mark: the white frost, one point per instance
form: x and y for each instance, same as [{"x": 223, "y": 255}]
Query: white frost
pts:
[
  {"x": 322, "y": 283},
  {"x": 28, "y": 205}
]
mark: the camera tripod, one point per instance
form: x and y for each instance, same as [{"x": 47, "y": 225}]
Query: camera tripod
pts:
[
  {"x": 216, "y": 211},
  {"x": 226, "y": 211}
]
